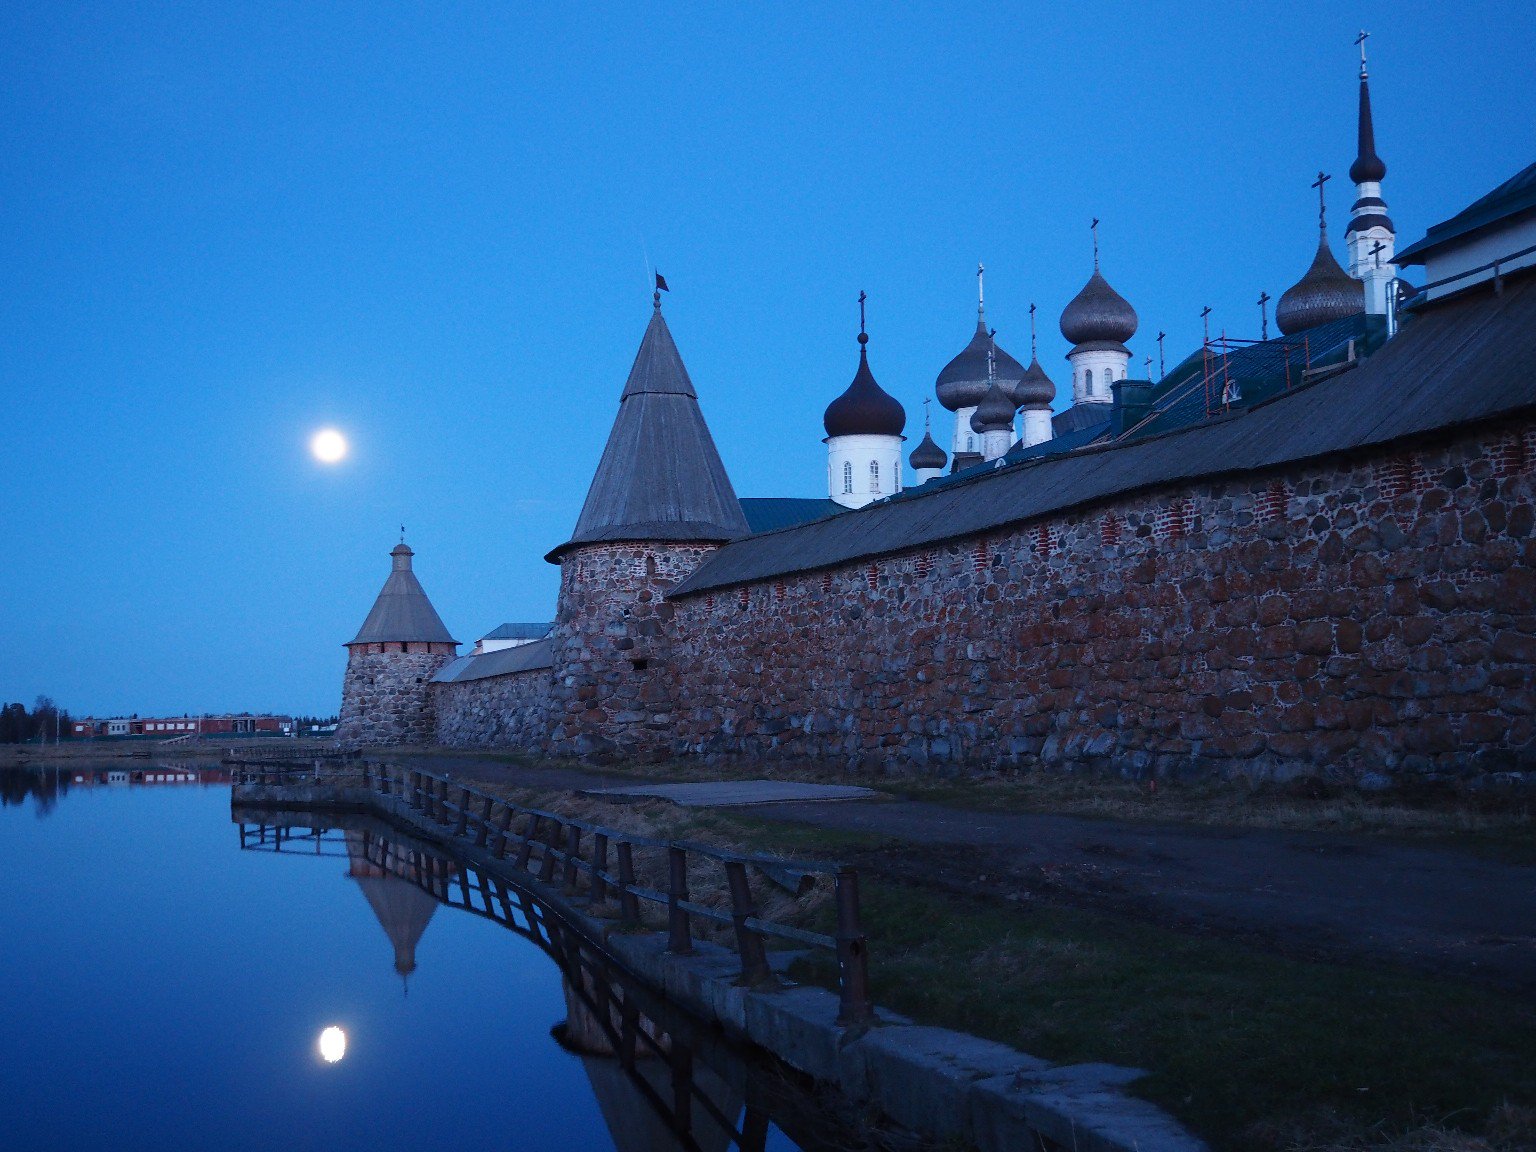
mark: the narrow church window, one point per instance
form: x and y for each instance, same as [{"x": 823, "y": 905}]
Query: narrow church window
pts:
[
  {"x": 970, "y": 443},
  {"x": 1109, "y": 376},
  {"x": 847, "y": 477},
  {"x": 874, "y": 476}
]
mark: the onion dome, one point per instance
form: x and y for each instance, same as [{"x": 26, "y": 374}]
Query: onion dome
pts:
[
  {"x": 865, "y": 409},
  {"x": 1035, "y": 390},
  {"x": 928, "y": 454},
  {"x": 1098, "y": 314},
  {"x": 995, "y": 412},
  {"x": 1325, "y": 293},
  {"x": 963, "y": 382}
]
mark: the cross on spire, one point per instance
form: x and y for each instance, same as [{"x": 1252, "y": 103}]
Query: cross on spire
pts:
[
  {"x": 1161, "y": 336},
  {"x": 1032, "y": 354},
  {"x": 1094, "y": 229},
  {"x": 863, "y": 336},
  {"x": 1263, "y": 316},
  {"x": 992, "y": 354},
  {"x": 402, "y": 533},
  {"x": 927, "y": 400},
  {"x": 1360, "y": 42},
  {"x": 1322, "y": 203},
  {"x": 981, "y": 295},
  {"x": 1376, "y": 251},
  {"x": 1205, "y": 320}
]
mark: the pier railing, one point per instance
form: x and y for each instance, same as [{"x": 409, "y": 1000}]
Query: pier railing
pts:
[{"x": 597, "y": 864}]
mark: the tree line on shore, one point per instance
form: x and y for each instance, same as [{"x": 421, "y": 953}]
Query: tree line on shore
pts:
[{"x": 44, "y": 722}]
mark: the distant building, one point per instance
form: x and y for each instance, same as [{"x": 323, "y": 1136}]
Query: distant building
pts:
[
  {"x": 170, "y": 727},
  {"x": 511, "y": 636}
]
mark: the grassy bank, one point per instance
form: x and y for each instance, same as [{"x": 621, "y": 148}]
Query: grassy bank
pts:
[
  {"x": 1497, "y": 822},
  {"x": 1252, "y": 1050}
]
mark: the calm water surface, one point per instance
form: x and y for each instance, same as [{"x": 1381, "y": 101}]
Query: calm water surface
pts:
[{"x": 164, "y": 988}]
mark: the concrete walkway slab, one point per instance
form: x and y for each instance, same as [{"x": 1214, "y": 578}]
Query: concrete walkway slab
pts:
[{"x": 734, "y": 793}]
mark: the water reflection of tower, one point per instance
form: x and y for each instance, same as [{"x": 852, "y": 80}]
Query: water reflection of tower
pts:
[
  {"x": 403, "y": 909},
  {"x": 635, "y": 1101}
]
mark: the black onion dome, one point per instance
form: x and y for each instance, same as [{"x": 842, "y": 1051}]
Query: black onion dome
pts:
[
  {"x": 1325, "y": 293},
  {"x": 1098, "y": 312},
  {"x": 995, "y": 412},
  {"x": 928, "y": 454},
  {"x": 865, "y": 409},
  {"x": 963, "y": 382},
  {"x": 1035, "y": 390}
]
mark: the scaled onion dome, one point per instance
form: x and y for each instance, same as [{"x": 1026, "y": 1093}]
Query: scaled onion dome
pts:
[
  {"x": 1098, "y": 315},
  {"x": 928, "y": 454},
  {"x": 963, "y": 382},
  {"x": 995, "y": 412},
  {"x": 1325, "y": 293},
  {"x": 865, "y": 409},
  {"x": 1035, "y": 390}
]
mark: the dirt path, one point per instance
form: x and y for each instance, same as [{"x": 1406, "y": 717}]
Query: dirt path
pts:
[{"x": 1304, "y": 893}]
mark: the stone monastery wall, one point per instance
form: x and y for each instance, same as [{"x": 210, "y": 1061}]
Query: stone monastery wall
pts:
[
  {"x": 493, "y": 712},
  {"x": 1371, "y": 615},
  {"x": 1375, "y": 614}
]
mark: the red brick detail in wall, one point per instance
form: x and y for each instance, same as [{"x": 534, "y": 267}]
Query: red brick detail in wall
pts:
[
  {"x": 778, "y": 589},
  {"x": 1173, "y": 521},
  {"x": 1045, "y": 540},
  {"x": 1402, "y": 475},
  {"x": 980, "y": 556},
  {"x": 826, "y": 583},
  {"x": 872, "y": 575},
  {"x": 1109, "y": 529},
  {"x": 1514, "y": 454},
  {"x": 1269, "y": 505},
  {"x": 922, "y": 564},
  {"x": 743, "y": 597}
]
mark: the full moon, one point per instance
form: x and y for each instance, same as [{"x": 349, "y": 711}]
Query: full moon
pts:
[
  {"x": 328, "y": 446},
  {"x": 333, "y": 1044}
]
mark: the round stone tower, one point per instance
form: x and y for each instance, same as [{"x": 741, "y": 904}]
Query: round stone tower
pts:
[
  {"x": 660, "y": 502},
  {"x": 386, "y": 694}
]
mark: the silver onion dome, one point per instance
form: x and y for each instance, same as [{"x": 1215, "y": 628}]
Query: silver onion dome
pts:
[
  {"x": 1035, "y": 390},
  {"x": 995, "y": 412},
  {"x": 1098, "y": 313},
  {"x": 963, "y": 382}
]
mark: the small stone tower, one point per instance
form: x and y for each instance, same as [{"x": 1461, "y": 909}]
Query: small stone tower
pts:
[
  {"x": 659, "y": 503},
  {"x": 386, "y": 695}
]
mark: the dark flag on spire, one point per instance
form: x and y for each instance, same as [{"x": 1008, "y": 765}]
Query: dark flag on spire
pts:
[{"x": 661, "y": 283}]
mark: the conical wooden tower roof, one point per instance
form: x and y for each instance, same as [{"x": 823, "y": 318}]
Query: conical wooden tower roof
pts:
[
  {"x": 402, "y": 610},
  {"x": 660, "y": 477}
]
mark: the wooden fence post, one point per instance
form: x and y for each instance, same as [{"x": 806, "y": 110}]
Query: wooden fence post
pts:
[{"x": 679, "y": 937}]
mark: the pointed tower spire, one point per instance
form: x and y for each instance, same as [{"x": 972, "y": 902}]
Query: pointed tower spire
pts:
[
  {"x": 660, "y": 477},
  {"x": 1370, "y": 239},
  {"x": 401, "y": 612}
]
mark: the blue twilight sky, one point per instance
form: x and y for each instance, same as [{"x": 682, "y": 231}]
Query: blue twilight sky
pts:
[{"x": 225, "y": 226}]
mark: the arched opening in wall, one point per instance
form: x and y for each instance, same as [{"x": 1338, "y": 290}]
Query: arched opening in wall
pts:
[
  {"x": 650, "y": 564},
  {"x": 970, "y": 443},
  {"x": 847, "y": 478},
  {"x": 1109, "y": 378},
  {"x": 874, "y": 475}
]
